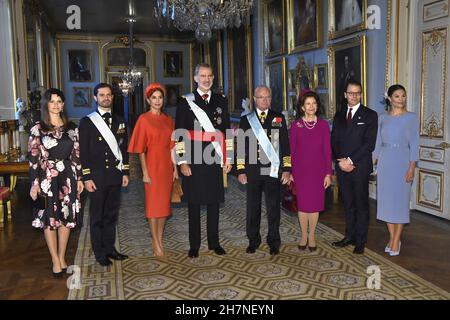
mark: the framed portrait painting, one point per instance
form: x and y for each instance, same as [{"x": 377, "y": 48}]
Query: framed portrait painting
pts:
[
  {"x": 324, "y": 100},
  {"x": 173, "y": 64},
  {"x": 304, "y": 25},
  {"x": 273, "y": 27},
  {"x": 346, "y": 17},
  {"x": 173, "y": 94},
  {"x": 80, "y": 65},
  {"x": 240, "y": 76},
  {"x": 320, "y": 76},
  {"x": 82, "y": 97},
  {"x": 276, "y": 80},
  {"x": 347, "y": 61}
]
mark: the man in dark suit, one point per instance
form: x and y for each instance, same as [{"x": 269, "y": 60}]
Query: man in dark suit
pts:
[
  {"x": 255, "y": 168},
  {"x": 103, "y": 174},
  {"x": 353, "y": 140},
  {"x": 203, "y": 180}
]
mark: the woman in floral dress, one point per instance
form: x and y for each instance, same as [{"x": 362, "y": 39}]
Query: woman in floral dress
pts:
[{"x": 55, "y": 174}]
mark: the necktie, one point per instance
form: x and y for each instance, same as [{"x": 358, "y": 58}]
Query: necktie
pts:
[
  {"x": 107, "y": 117},
  {"x": 349, "y": 116},
  {"x": 262, "y": 117},
  {"x": 205, "y": 97}
]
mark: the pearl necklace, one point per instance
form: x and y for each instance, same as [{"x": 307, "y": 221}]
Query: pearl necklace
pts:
[{"x": 309, "y": 126}]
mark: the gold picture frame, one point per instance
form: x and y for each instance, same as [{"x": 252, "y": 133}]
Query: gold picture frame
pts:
[
  {"x": 275, "y": 75},
  {"x": 240, "y": 74},
  {"x": 342, "y": 67},
  {"x": 173, "y": 64},
  {"x": 273, "y": 13},
  {"x": 346, "y": 17},
  {"x": 321, "y": 76},
  {"x": 82, "y": 97},
  {"x": 214, "y": 58},
  {"x": 304, "y": 25},
  {"x": 292, "y": 78}
]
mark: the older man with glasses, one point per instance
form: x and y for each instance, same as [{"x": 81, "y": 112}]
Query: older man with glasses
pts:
[{"x": 263, "y": 161}]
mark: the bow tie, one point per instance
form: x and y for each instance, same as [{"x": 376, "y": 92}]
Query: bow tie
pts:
[{"x": 106, "y": 116}]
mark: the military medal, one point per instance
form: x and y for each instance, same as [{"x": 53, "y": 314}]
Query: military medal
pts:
[{"x": 219, "y": 120}]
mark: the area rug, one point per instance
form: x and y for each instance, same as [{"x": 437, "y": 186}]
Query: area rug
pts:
[{"x": 326, "y": 274}]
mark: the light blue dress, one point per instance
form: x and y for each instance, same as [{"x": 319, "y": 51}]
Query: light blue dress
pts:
[{"x": 397, "y": 145}]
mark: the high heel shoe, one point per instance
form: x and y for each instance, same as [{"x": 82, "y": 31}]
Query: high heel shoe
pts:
[
  {"x": 57, "y": 274},
  {"x": 395, "y": 253},
  {"x": 302, "y": 248},
  {"x": 312, "y": 249},
  {"x": 387, "y": 249}
]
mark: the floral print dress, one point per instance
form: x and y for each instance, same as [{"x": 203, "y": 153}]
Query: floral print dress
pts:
[{"x": 55, "y": 166}]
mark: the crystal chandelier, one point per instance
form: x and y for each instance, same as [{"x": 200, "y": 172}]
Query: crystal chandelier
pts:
[
  {"x": 203, "y": 16},
  {"x": 131, "y": 77}
]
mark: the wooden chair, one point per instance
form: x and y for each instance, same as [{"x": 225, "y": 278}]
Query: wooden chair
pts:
[{"x": 5, "y": 199}]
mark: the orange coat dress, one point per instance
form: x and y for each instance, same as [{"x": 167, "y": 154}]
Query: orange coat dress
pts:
[{"x": 152, "y": 136}]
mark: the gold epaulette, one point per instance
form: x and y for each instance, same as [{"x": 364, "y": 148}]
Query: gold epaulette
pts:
[
  {"x": 287, "y": 162},
  {"x": 180, "y": 147},
  {"x": 86, "y": 172},
  {"x": 240, "y": 164},
  {"x": 126, "y": 167},
  {"x": 230, "y": 144}
]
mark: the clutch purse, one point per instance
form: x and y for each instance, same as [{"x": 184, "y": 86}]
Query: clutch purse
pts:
[
  {"x": 289, "y": 198},
  {"x": 41, "y": 202},
  {"x": 177, "y": 191}
]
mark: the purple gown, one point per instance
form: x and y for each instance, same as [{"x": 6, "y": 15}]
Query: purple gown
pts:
[{"x": 311, "y": 162}]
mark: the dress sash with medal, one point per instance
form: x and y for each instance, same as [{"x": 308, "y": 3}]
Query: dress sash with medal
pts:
[
  {"x": 210, "y": 134},
  {"x": 109, "y": 137},
  {"x": 265, "y": 143}
]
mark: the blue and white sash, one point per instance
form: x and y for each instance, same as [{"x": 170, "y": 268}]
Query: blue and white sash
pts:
[
  {"x": 265, "y": 143},
  {"x": 205, "y": 122},
  {"x": 109, "y": 137}
]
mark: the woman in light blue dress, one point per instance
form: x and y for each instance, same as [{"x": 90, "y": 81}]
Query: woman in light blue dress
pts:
[{"x": 397, "y": 151}]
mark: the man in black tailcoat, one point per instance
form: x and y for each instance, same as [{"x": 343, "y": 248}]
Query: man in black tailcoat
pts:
[
  {"x": 203, "y": 180},
  {"x": 254, "y": 168},
  {"x": 103, "y": 174}
]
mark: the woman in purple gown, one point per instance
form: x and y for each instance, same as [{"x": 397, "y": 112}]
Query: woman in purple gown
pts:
[{"x": 311, "y": 165}]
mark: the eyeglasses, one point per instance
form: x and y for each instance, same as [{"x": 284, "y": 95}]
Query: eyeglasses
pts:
[
  {"x": 264, "y": 98},
  {"x": 354, "y": 94}
]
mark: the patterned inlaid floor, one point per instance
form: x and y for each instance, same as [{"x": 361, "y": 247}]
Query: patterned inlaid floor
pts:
[{"x": 328, "y": 273}]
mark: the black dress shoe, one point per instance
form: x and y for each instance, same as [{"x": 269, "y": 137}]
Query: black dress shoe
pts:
[
  {"x": 274, "y": 251},
  {"x": 219, "y": 251},
  {"x": 104, "y": 261},
  {"x": 358, "y": 250},
  {"x": 302, "y": 248},
  {"x": 193, "y": 253},
  {"x": 58, "y": 274},
  {"x": 250, "y": 249},
  {"x": 117, "y": 256},
  {"x": 343, "y": 243}
]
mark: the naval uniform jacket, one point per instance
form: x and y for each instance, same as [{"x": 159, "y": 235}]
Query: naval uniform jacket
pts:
[
  {"x": 205, "y": 186},
  {"x": 274, "y": 124},
  {"x": 97, "y": 159}
]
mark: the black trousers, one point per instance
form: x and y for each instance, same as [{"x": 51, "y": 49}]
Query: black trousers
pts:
[
  {"x": 103, "y": 214},
  {"x": 212, "y": 225},
  {"x": 271, "y": 188},
  {"x": 354, "y": 189}
]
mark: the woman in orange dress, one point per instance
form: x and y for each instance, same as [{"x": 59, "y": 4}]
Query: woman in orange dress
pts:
[{"x": 151, "y": 138}]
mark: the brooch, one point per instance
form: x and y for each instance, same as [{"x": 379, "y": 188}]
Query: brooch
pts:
[
  {"x": 219, "y": 110},
  {"x": 299, "y": 125}
]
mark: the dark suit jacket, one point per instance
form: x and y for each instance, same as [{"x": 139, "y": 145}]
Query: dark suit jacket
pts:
[
  {"x": 357, "y": 140},
  {"x": 97, "y": 159},
  {"x": 253, "y": 171},
  {"x": 205, "y": 186}
]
